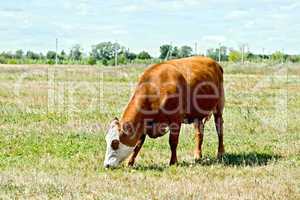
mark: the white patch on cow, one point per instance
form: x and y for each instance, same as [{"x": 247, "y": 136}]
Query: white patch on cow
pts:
[{"x": 114, "y": 157}]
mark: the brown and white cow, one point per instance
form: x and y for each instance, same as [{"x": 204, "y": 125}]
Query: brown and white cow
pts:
[{"x": 179, "y": 91}]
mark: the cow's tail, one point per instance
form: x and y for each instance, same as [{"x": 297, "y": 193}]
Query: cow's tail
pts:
[
  {"x": 220, "y": 105},
  {"x": 221, "y": 68}
]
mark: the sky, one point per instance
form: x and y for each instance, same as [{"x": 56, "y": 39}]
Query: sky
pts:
[{"x": 147, "y": 24}]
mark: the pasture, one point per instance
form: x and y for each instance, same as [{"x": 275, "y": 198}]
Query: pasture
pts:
[{"x": 53, "y": 121}]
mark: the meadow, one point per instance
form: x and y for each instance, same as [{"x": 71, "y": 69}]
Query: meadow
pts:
[{"x": 53, "y": 121}]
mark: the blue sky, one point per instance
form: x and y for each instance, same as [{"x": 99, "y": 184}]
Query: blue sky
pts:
[{"x": 145, "y": 25}]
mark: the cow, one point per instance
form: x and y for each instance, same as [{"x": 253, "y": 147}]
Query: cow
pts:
[{"x": 168, "y": 94}]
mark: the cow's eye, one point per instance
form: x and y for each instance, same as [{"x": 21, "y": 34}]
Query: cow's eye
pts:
[{"x": 115, "y": 144}]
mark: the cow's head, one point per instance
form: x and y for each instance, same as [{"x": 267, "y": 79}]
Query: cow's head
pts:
[{"x": 116, "y": 152}]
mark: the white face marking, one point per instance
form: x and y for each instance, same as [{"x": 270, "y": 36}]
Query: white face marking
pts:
[{"x": 114, "y": 157}]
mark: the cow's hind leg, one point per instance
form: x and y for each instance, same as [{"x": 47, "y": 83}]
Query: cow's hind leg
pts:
[
  {"x": 136, "y": 150},
  {"x": 219, "y": 128},
  {"x": 199, "y": 126},
  {"x": 173, "y": 141},
  {"x": 218, "y": 116}
]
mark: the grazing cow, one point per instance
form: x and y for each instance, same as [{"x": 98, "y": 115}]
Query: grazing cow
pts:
[{"x": 179, "y": 91}]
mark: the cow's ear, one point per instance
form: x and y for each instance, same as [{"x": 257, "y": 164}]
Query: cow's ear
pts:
[
  {"x": 127, "y": 128},
  {"x": 115, "y": 144},
  {"x": 115, "y": 121}
]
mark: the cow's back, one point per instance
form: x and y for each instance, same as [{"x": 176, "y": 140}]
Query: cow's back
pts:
[{"x": 197, "y": 81}]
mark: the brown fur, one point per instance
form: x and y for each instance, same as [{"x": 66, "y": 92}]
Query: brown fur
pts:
[{"x": 165, "y": 97}]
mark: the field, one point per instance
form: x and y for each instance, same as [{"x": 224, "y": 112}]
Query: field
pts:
[{"x": 53, "y": 122}]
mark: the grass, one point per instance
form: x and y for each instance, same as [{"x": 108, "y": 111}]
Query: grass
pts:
[{"x": 53, "y": 120}]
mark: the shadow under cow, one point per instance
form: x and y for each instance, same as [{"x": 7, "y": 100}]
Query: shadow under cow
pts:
[
  {"x": 229, "y": 159},
  {"x": 242, "y": 159}
]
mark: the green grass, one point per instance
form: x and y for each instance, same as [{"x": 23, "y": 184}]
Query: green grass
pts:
[{"x": 52, "y": 138}]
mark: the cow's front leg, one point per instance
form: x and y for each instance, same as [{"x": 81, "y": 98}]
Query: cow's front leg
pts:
[
  {"x": 136, "y": 150},
  {"x": 199, "y": 126},
  {"x": 173, "y": 141}
]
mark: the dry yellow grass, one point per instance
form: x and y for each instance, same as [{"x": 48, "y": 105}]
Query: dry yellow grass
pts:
[{"x": 52, "y": 124}]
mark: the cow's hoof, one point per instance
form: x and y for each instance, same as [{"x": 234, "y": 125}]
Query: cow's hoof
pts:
[
  {"x": 220, "y": 155},
  {"x": 173, "y": 162},
  {"x": 130, "y": 163},
  {"x": 197, "y": 156}
]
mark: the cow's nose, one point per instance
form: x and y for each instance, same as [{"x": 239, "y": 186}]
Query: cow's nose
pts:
[{"x": 106, "y": 166}]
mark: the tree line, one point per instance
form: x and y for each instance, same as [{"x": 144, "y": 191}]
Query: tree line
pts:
[
  {"x": 109, "y": 53},
  {"x": 229, "y": 54},
  {"x": 103, "y": 53}
]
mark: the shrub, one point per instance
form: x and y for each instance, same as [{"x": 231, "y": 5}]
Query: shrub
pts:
[
  {"x": 234, "y": 56},
  {"x": 3, "y": 60},
  {"x": 92, "y": 60},
  {"x": 50, "y": 62},
  {"x": 12, "y": 61},
  {"x": 295, "y": 59},
  {"x": 122, "y": 59},
  {"x": 105, "y": 62}
]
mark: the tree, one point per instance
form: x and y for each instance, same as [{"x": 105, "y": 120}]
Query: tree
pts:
[
  {"x": 76, "y": 52},
  {"x": 51, "y": 55},
  {"x": 32, "y": 55},
  {"x": 130, "y": 56},
  {"x": 185, "y": 51},
  {"x": 175, "y": 52},
  {"x": 215, "y": 53},
  {"x": 234, "y": 56},
  {"x": 19, "y": 54},
  {"x": 165, "y": 51},
  {"x": 144, "y": 55},
  {"x": 252, "y": 57},
  {"x": 105, "y": 50},
  {"x": 62, "y": 55},
  {"x": 41, "y": 56},
  {"x": 224, "y": 56},
  {"x": 7, "y": 55},
  {"x": 212, "y": 54},
  {"x": 277, "y": 56}
]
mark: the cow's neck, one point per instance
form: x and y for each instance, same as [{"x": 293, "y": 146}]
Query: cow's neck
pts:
[{"x": 134, "y": 116}]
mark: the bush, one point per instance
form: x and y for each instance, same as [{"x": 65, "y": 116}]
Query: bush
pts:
[
  {"x": 3, "y": 60},
  {"x": 122, "y": 59},
  {"x": 104, "y": 62},
  {"x": 234, "y": 56},
  {"x": 295, "y": 59},
  {"x": 50, "y": 62},
  {"x": 111, "y": 62},
  {"x": 12, "y": 61},
  {"x": 92, "y": 60},
  {"x": 277, "y": 56}
]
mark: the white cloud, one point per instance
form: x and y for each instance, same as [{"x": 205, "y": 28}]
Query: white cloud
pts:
[
  {"x": 132, "y": 8},
  {"x": 290, "y": 7},
  {"x": 90, "y": 28},
  {"x": 83, "y": 7},
  {"x": 119, "y": 32},
  {"x": 79, "y": 7},
  {"x": 10, "y": 17},
  {"x": 214, "y": 39},
  {"x": 159, "y": 5},
  {"x": 181, "y": 21},
  {"x": 250, "y": 24},
  {"x": 237, "y": 14}
]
